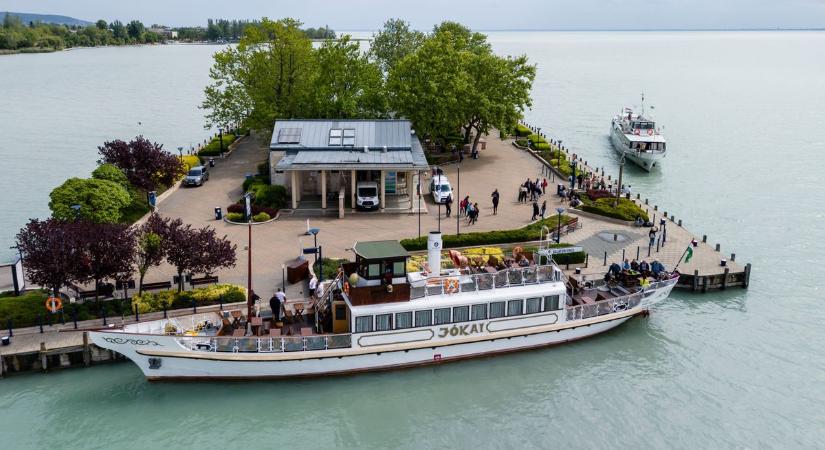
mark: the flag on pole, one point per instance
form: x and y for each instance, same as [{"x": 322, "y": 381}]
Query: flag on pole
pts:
[{"x": 688, "y": 253}]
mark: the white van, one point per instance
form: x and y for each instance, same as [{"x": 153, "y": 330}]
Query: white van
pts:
[
  {"x": 440, "y": 188},
  {"x": 366, "y": 195}
]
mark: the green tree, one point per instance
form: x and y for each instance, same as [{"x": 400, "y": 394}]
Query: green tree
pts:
[
  {"x": 112, "y": 173},
  {"x": 118, "y": 30},
  {"x": 395, "y": 41},
  {"x": 100, "y": 201},
  {"x": 428, "y": 86},
  {"x": 135, "y": 30},
  {"x": 101, "y": 24},
  {"x": 347, "y": 84},
  {"x": 271, "y": 70}
]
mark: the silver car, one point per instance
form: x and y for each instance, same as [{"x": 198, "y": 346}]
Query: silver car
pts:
[{"x": 196, "y": 176}]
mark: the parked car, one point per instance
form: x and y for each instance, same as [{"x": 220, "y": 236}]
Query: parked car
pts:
[
  {"x": 196, "y": 176},
  {"x": 366, "y": 195},
  {"x": 440, "y": 188}
]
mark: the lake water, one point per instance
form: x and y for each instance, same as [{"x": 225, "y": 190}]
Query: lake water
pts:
[{"x": 743, "y": 115}]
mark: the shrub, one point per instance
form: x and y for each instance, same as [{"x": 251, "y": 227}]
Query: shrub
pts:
[
  {"x": 531, "y": 232},
  {"x": 190, "y": 161},
  {"x": 536, "y": 139},
  {"x": 522, "y": 130},
  {"x": 626, "y": 209},
  {"x": 235, "y": 217},
  {"x": 521, "y": 142},
  {"x": 213, "y": 148},
  {"x": 110, "y": 172},
  {"x": 172, "y": 299},
  {"x": 235, "y": 208},
  {"x": 541, "y": 146},
  {"x": 331, "y": 266},
  {"x": 23, "y": 310},
  {"x": 261, "y": 217},
  {"x": 269, "y": 196},
  {"x": 595, "y": 194}
]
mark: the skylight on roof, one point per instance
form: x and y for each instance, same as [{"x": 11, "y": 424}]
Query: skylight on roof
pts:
[
  {"x": 335, "y": 136},
  {"x": 349, "y": 137}
]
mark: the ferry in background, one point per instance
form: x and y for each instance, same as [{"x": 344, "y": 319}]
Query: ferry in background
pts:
[
  {"x": 376, "y": 316},
  {"x": 637, "y": 138}
]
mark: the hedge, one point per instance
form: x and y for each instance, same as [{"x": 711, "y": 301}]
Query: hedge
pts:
[
  {"x": 541, "y": 146},
  {"x": 536, "y": 139},
  {"x": 523, "y": 131},
  {"x": 531, "y": 232},
  {"x": 626, "y": 210},
  {"x": 172, "y": 299},
  {"x": 235, "y": 217},
  {"x": 261, "y": 217},
  {"x": 213, "y": 148}
]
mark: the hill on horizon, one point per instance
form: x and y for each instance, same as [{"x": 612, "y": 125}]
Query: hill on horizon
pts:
[{"x": 46, "y": 18}]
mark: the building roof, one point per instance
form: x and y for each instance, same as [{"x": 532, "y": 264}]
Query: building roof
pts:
[
  {"x": 347, "y": 145},
  {"x": 379, "y": 249}
]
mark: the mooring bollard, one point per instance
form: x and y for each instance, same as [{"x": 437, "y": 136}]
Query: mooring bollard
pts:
[
  {"x": 733, "y": 256},
  {"x": 40, "y": 322},
  {"x": 646, "y": 202},
  {"x": 718, "y": 247},
  {"x": 623, "y": 258},
  {"x": 615, "y": 237},
  {"x": 704, "y": 238},
  {"x": 74, "y": 316},
  {"x": 605, "y": 258},
  {"x": 137, "y": 314},
  {"x": 638, "y": 249},
  {"x": 680, "y": 222}
]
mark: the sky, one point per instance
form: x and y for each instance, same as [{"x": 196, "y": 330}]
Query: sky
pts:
[{"x": 477, "y": 14}]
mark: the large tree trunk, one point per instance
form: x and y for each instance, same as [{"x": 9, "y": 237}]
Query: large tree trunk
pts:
[
  {"x": 475, "y": 140},
  {"x": 180, "y": 281},
  {"x": 140, "y": 282},
  {"x": 467, "y": 130}
]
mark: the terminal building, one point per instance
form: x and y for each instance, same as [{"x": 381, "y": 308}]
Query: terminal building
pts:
[{"x": 347, "y": 164}]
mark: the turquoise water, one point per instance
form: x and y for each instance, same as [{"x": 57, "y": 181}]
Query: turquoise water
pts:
[{"x": 742, "y": 113}]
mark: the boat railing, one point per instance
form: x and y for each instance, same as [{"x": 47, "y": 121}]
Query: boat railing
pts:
[
  {"x": 517, "y": 276},
  {"x": 603, "y": 307},
  {"x": 252, "y": 344}
]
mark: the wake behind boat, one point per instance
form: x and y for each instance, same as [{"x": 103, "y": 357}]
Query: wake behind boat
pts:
[
  {"x": 376, "y": 316},
  {"x": 637, "y": 138}
]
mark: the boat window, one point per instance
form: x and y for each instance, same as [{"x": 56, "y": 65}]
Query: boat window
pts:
[
  {"x": 398, "y": 268},
  {"x": 373, "y": 270},
  {"x": 461, "y": 313},
  {"x": 423, "y": 318},
  {"x": 442, "y": 316},
  {"x": 479, "y": 312},
  {"x": 514, "y": 307},
  {"x": 340, "y": 312},
  {"x": 363, "y": 324},
  {"x": 533, "y": 305},
  {"x": 496, "y": 309},
  {"x": 551, "y": 302},
  {"x": 403, "y": 320},
  {"x": 383, "y": 322}
]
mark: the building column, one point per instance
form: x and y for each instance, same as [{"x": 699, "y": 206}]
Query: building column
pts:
[
  {"x": 352, "y": 191},
  {"x": 294, "y": 175},
  {"x": 411, "y": 189},
  {"x": 323, "y": 189},
  {"x": 382, "y": 189}
]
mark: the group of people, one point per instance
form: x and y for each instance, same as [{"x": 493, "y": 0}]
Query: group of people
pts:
[
  {"x": 469, "y": 208},
  {"x": 655, "y": 269},
  {"x": 531, "y": 190}
]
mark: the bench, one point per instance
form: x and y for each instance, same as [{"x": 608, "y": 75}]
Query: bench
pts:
[
  {"x": 156, "y": 286},
  {"x": 205, "y": 280}
]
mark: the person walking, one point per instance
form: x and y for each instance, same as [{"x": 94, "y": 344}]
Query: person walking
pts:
[
  {"x": 544, "y": 186},
  {"x": 475, "y": 213},
  {"x": 543, "y": 208},
  {"x": 652, "y": 235},
  {"x": 469, "y": 213},
  {"x": 522, "y": 194},
  {"x": 535, "y": 211},
  {"x": 495, "y": 196},
  {"x": 448, "y": 204},
  {"x": 275, "y": 303}
]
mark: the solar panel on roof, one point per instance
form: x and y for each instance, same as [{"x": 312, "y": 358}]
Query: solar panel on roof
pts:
[{"x": 289, "y": 136}]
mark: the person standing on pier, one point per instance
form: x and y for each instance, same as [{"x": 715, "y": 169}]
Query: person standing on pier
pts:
[
  {"x": 535, "y": 210},
  {"x": 544, "y": 186},
  {"x": 652, "y": 235},
  {"x": 448, "y": 204},
  {"x": 495, "y": 196}
]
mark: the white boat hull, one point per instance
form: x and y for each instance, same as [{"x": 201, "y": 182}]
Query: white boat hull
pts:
[{"x": 645, "y": 160}]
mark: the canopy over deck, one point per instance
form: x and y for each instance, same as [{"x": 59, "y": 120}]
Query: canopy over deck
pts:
[{"x": 379, "y": 250}]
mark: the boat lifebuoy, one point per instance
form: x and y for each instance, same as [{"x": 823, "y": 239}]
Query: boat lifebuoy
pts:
[
  {"x": 650, "y": 132},
  {"x": 54, "y": 304},
  {"x": 451, "y": 286},
  {"x": 346, "y": 287}
]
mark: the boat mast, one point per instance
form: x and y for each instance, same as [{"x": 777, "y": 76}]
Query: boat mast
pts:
[{"x": 643, "y": 105}]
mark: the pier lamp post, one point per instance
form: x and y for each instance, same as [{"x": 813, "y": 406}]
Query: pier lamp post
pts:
[
  {"x": 314, "y": 232},
  {"x": 250, "y": 295},
  {"x": 572, "y": 174},
  {"x": 180, "y": 152},
  {"x": 418, "y": 191},
  {"x": 220, "y": 134},
  {"x": 558, "y": 232},
  {"x": 619, "y": 186},
  {"x": 458, "y": 169}
]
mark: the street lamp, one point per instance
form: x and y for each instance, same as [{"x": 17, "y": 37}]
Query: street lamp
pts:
[
  {"x": 558, "y": 232},
  {"x": 558, "y": 155},
  {"x": 180, "y": 152},
  {"x": 314, "y": 232},
  {"x": 619, "y": 186},
  {"x": 220, "y": 134}
]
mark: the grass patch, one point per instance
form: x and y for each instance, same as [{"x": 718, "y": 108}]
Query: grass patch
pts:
[
  {"x": 213, "y": 148},
  {"x": 530, "y": 232},
  {"x": 626, "y": 209}
]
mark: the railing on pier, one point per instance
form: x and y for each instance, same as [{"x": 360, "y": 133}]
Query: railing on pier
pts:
[
  {"x": 265, "y": 344},
  {"x": 520, "y": 276},
  {"x": 603, "y": 307}
]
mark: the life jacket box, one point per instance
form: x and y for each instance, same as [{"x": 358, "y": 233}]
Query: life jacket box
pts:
[{"x": 340, "y": 316}]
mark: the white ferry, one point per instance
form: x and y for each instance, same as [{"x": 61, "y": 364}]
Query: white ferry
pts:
[
  {"x": 637, "y": 138},
  {"x": 376, "y": 316}
]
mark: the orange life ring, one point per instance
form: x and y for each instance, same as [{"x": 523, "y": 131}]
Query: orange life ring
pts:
[
  {"x": 54, "y": 304},
  {"x": 451, "y": 285},
  {"x": 346, "y": 287},
  {"x": 650, "y": 132}
]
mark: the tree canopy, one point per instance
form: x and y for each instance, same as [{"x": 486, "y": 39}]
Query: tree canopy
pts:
[
  {"x": 393, "y": 42},
  {"x": 145, "y": 164},
  {"x": 196, "y": 250},
  {"x": 96, "y": 200}
]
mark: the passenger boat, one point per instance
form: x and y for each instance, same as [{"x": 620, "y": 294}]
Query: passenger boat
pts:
[
  {"x": 376, "y": 316},
  {"x": 636, "y": 137}
]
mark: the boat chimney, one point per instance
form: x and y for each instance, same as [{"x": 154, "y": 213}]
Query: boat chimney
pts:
[{"x": 434, "y": 253}]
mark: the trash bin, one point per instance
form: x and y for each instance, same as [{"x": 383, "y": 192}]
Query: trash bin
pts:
[
  {"x": 211, "y": 162},
  {"x": 218, "y": 213},
  {"x": 559, "y": 188}
]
